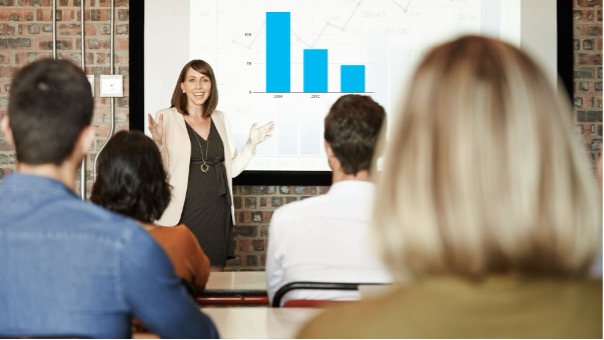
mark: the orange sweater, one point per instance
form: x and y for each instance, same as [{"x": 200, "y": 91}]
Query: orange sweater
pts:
[{"x": 188, "y": 259}]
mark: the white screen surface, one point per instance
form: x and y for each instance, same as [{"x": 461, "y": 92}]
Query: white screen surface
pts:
[{"x": 386, "y": 37}]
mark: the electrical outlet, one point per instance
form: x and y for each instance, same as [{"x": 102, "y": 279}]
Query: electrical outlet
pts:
[{"x": 112, "y": 85}]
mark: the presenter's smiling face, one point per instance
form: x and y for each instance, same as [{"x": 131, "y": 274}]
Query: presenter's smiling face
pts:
[{"x": 197, "y": 87}]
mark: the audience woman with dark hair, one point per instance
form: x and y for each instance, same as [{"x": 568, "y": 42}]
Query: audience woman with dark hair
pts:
[{"x": 132, "y": 181}]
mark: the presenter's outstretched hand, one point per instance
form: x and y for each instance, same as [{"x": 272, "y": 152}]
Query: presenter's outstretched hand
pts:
[
  {"x": 156, "y": 129},
  {"x": 262, "y": 133}
]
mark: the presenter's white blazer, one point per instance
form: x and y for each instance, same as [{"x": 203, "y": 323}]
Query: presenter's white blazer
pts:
[{"x": 176, "y": 155}]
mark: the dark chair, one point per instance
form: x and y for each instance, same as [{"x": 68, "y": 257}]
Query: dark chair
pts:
[{"x": 314, "y": 286}]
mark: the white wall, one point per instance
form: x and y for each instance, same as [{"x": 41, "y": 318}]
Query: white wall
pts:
[
  {"x": 166, "y": 50},
  {"x": 539, "y": 34}
]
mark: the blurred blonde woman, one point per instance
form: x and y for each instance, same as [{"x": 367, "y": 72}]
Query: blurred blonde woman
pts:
[{"x": 487, "y": 199}]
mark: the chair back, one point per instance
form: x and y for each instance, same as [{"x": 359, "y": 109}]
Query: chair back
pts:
[{"x": 313, "y": 286}]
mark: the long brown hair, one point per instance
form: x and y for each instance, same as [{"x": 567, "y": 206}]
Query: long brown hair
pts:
[{"x": 179, "y": 99}]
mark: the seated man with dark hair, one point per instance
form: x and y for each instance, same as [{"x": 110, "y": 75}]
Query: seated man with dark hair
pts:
[
  {"x": 70, "y": 268},
  {"x": 325, "y": 238}
]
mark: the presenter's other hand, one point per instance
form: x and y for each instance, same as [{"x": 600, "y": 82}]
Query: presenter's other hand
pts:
[
  {"x": 262, "y": 133},
  {"x": 156, "y": 129}
]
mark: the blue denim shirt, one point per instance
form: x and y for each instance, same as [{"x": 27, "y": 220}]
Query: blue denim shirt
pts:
[{"x": 68, "y": 267}]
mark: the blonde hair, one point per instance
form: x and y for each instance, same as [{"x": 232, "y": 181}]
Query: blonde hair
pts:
[{"x": 482, "y": 171}]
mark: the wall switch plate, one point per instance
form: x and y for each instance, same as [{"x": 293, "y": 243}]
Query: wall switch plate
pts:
[
  {"x": 91, "y": 81},
  {"x": 112, "y": 85}
]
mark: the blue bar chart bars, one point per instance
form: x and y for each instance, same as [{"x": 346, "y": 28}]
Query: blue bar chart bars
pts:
[
  {"x": 352, "y": 78},
  {"x": 315, "y": 62},
  {"x": 315, "y": 70},
  {"x": 278, "y": 52}
]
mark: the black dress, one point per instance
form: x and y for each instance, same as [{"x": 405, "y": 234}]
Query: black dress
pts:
[{"x": 207, "y": 208}]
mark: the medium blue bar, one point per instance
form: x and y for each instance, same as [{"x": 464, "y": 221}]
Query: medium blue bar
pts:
[
  {"x": 352, "y": 78},
  {"x": 278, "y": 55},
  {"x": 315, "y": 70}
]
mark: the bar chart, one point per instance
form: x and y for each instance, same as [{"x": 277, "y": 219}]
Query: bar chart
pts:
[
  {"x": 287, "y": 61},
  {"x": 315, "y": 62}
]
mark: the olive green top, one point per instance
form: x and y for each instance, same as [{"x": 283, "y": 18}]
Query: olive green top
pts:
[{"x": 499, "y": 307}]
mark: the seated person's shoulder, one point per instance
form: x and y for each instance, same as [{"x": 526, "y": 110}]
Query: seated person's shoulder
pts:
[
  {"x": 348, "y": 320},
  {"x": 590, "y": 290},
  {"x": 92, "y": 218},
  {"x": 181, "y": 229},
  {"x": 178, "y": 232}
]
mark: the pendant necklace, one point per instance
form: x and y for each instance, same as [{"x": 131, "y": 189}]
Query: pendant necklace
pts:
[{"x": 204, "y": 167}]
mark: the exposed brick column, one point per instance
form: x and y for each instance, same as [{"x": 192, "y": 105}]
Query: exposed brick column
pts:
[
  {"x": 26, "y": 35},
  {"x": 587, "y": 101},
  {"x": 254, "y": 206}
]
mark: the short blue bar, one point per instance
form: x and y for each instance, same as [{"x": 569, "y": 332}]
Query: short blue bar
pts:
[{"x": 352, "y": 78}]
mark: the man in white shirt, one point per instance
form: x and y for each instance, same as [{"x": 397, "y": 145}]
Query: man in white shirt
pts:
[{"x": 326, "y": 238}]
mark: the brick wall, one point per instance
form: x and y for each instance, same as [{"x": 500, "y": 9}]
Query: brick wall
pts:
[
  {"x": 587, "y": 21},
  {"x": 26, "y": 35},
  {"x": 254, "y": 207}
]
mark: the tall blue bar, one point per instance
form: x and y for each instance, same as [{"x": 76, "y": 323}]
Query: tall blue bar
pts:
[
  {"x": 352, "y": 78},
  {"x": 278, "y": 55},
  {"x": 315, "y": 70}
]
